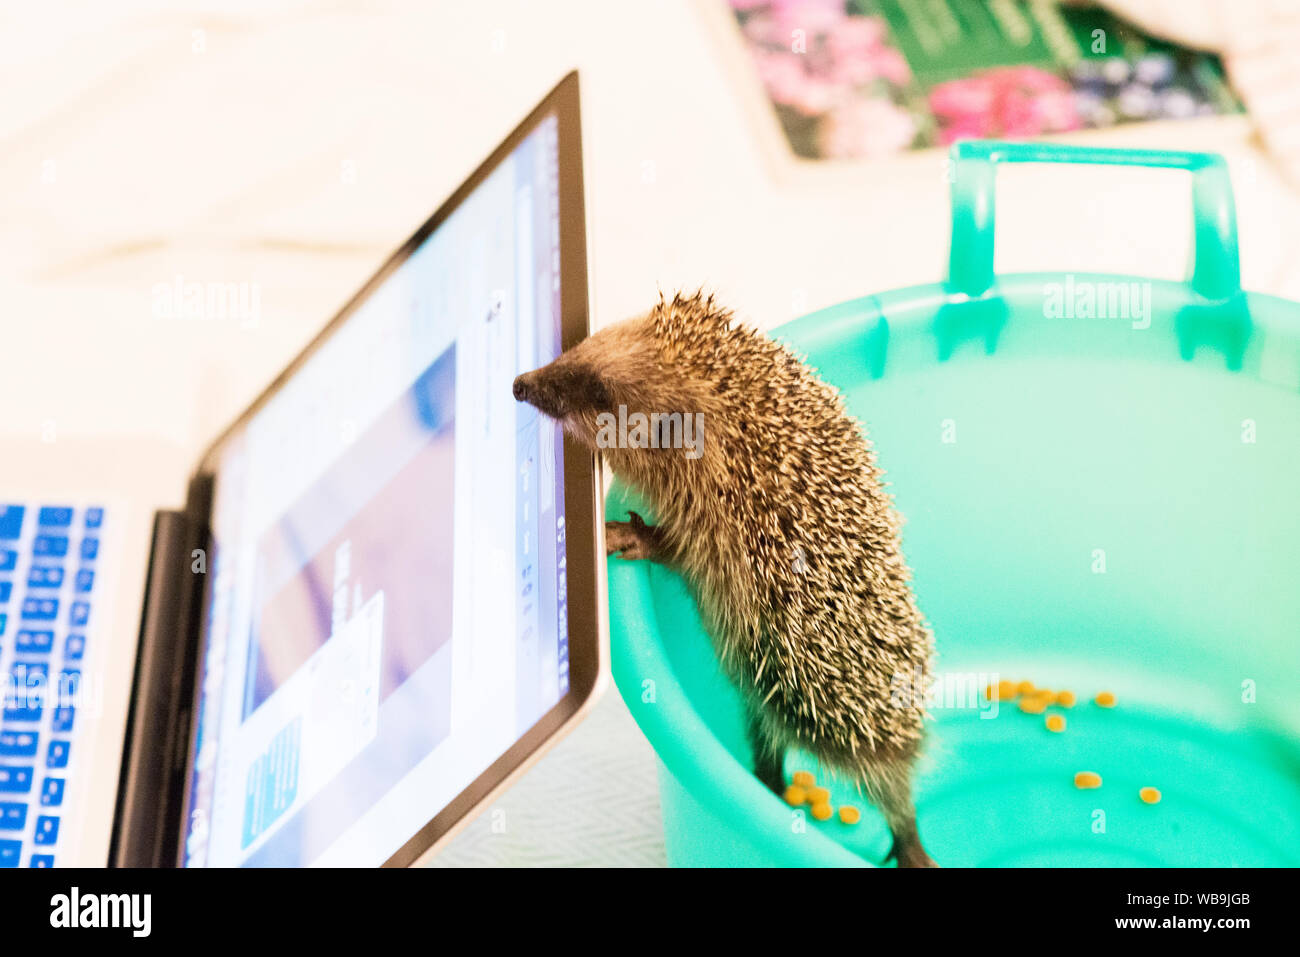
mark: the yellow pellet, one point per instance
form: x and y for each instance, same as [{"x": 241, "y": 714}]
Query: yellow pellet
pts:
[
  {"x": 1025, "y": 687},
  {"x": 1150, "y": 795},
  {"x": 1065, "y": 699},
  {"x": 803, "y": 779},
  {"x": 850, "y": 815},
  {"x": 818, "y": 795},
  {"x": 1033, "y": 704},
  {"x": 1055, "y": 722},
  {"x": 795, "y": 795},
  {"x": 1106, "y": 699},
  {"x": 822, "y": 810},
  {"x": 1087, "y": 779},
  {"x": 1004, "y": 691}
]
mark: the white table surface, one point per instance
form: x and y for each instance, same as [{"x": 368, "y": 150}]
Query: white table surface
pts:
[{"x": 294, "y": 144}]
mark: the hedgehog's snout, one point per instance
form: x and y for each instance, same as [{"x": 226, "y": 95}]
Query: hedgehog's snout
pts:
[
  {"x": 523, "y": 389},
  {"x": 540, "y": 393},
  {"x": 563, "y": 389}
]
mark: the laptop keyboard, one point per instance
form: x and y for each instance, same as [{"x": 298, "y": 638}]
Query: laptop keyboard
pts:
[{"x": 47, "y": 586}]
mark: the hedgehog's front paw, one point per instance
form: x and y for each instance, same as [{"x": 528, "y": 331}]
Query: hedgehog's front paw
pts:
[
  {"x": 633, "y": 540},
  {"x": 619, "y": 536}
]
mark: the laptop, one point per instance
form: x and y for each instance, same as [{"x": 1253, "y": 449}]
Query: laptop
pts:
[{"x": 379, "y": 601}]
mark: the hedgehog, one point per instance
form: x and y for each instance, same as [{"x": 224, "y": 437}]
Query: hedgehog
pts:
[{"x": 777, "y": 519}]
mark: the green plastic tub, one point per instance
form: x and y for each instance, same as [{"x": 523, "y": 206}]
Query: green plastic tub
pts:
[{"x": 1091, "y": 503}]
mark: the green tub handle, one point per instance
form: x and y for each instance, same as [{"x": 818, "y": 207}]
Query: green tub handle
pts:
[{"x": 1215, "y": 272}]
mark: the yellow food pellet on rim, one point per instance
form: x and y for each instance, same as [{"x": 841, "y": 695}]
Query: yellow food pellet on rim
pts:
[
  {"x": 803, "y": 779},
  {"x": 1087, "y": 779},
  {"x": 822, "y": 811},
  {"x": 1065, "y": 699},
  {"x": 1106, "y": 699},
  {"x": 1055, "y": 722},
  {"x": 1150, "y": 795},
  {"x": 850, "y": 815},
  {"x": 818, "y": 795},
  {"x": 1033, "y": 705},
  {"x": 795, "y": 795},
  {"x": 1025, "y": 687}
]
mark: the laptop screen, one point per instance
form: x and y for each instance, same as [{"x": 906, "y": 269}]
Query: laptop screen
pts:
[{"x": 386, "y": 611}]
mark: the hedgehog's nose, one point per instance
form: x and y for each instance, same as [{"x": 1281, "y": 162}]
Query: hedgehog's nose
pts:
[{"x": 521, "y": 389}]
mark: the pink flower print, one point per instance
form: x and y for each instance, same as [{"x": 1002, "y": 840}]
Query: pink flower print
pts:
[
  {"x": 865, "y": 128},
  {"x": 892, "y": 65},
  {"x": 856, "y": 36},
  {"x": 1010, "y": 101},
  {"x": 1057, "y": 111},
  {"x": 762, "y": 30},
  {"x": 783, "y": 76},
  {"x": 813, "y": 17}
]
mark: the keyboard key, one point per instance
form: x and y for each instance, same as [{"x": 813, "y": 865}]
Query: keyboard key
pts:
[
  {"x": 6, "y": 589},
  {"x": 8, "y": 559},
  {"x": 34, "y": 642},
  {"x": 52, "y": 792},
  {"x": 13, "y": 817},
  {"x": 85, "y": 580},
  {"x": 10, "y": 851},
  {"x": 61, "y": 720},
  {"x": 29, "y": 675},
  {"x": 89, "y": 549},
  {"x": 47, "y": 830},
  {"x": 58, "y": 754},
  {"x": 42, "y": 860},
  {"x": 11, "y": 521},
  {"x": 4, "y": 621},
  {"x": 55, "y": 516},
  {"x": 94, "y": 517},
  {"x": 69, "y": 684},
  {"x": 80, "y": 614},
  {"x": 15, "y": 780},
  {"x": 45, "y": 576},
  {"x": 23, "y": 711},
  {"x": 74, "y": 647},
  {"x": 50, "y": 546},
  {"x": 40, "y": 609},
  {"x": 18, "y": 744},
  {"x": 29, "y": 685}
]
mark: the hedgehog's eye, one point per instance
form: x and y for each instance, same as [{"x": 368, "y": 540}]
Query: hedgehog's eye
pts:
[{"x": 586, "y": 389}]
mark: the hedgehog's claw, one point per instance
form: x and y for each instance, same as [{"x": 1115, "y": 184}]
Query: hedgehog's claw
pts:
[{"x": 633, "y": 540}]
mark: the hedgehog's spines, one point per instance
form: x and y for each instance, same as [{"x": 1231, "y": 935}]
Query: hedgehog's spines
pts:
[{"x": 787, "y": 535}]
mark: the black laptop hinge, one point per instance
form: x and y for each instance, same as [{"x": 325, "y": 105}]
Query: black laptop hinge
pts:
[{"x": 147, "y": 825}]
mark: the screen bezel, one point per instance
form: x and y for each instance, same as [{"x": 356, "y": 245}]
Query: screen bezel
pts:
[{"x": 581, "y": 476}]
